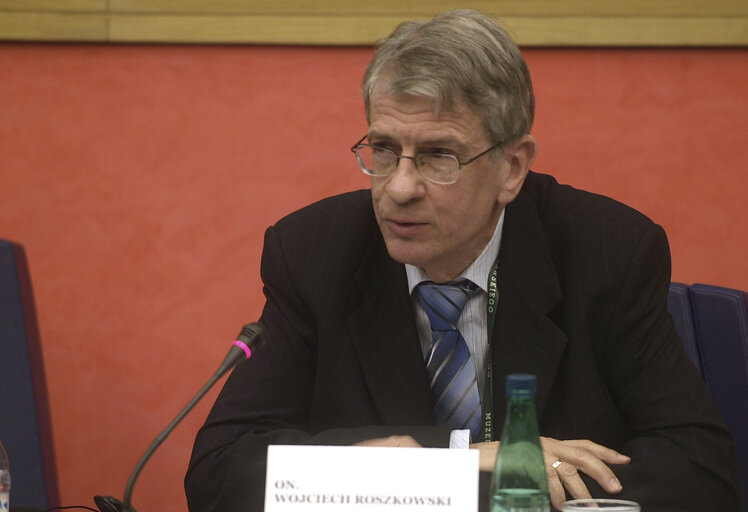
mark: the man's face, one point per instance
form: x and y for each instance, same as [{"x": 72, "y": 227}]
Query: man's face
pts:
[{"x": 440, "y": 228}]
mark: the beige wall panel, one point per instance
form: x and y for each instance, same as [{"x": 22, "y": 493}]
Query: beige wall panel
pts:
[
  {"x": 47, "y": 26},
  {"x": 53, "y": 5},
  {"x": 314, "y": 30},
  {"x": 342, "y": 22},
  {"x": 527, "y": 31},
  {"x": 423, "y": 8},
  {"x": 628, "y": 31}
]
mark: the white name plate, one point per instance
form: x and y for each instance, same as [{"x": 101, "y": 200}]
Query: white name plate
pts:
[{"x": 342, "y": 478}]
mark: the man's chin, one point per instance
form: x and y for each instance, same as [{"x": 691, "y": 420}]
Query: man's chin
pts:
[{"x": 406, "y": 252}]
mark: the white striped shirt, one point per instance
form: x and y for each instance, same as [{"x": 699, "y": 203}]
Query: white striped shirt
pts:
[{"x": 473, "y": 323}]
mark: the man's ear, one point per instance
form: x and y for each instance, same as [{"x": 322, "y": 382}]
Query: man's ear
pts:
[{"x": 519, "y": 155}]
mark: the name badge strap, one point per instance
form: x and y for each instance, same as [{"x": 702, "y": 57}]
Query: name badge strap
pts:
[{"x": 487, "y": 433}]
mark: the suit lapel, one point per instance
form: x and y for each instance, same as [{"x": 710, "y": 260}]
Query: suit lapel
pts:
[
  {"x": 525, "y": 339},
  {"x": 386, "y": 341}
]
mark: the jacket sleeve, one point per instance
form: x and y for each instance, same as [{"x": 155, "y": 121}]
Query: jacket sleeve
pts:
[{"x": 682, "y": 455}]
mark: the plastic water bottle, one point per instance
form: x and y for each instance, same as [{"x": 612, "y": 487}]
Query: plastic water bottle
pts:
[
  {"x": 519, "y": 480},
  {"x": 4, "y": 480}
]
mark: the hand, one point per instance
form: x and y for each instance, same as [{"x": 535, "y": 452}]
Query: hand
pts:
[
  {"x": 487, "y": 454},
  {"x": 401, "y": 441},
  {"x": 575, "y": 455}
]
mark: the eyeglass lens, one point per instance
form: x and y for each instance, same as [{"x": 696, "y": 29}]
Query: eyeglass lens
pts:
[{"x": 432, "y": 166}]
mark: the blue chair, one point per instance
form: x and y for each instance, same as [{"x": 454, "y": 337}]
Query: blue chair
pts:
[
  {"x": 24, "y": 410},
  {"x": 679, "y": 306},
  {"x": 721, "y": 321},
  {"x": 718, "y": 323}
]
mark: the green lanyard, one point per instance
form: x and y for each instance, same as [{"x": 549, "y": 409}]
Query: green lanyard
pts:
[{"x": 486, "y": 431}]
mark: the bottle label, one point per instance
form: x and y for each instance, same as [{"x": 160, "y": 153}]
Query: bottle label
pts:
[{"x": 4, "y": 501}]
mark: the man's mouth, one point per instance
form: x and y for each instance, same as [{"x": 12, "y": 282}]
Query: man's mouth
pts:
[{"x": 404, "y": 227}]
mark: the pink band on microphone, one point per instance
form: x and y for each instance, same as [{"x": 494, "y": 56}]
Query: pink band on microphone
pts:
[{"x": 244, "y": 347}]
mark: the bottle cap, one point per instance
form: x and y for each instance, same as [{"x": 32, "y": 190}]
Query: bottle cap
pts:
[{"x": 521, "y": 384}]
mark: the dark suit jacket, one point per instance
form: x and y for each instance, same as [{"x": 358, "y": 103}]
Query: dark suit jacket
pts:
[{"x": 583, "y": 284}]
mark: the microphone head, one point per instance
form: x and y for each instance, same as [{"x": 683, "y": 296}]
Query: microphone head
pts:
[
  {"x": 252, "y": 335},
  {"x": 108, "y": 504}
]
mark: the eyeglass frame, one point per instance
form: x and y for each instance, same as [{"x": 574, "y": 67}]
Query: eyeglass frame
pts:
[{"x": 358, "y": 145}]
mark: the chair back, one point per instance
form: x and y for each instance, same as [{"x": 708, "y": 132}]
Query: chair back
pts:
[
  {"x": 718, "y": 323},
  {"x": 679, "y": 306},
  {"x": 721, "y": 320},
  {"x": 24, "y": 409}
]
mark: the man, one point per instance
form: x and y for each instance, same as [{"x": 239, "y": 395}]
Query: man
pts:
[{"x": 352, "y": 284}]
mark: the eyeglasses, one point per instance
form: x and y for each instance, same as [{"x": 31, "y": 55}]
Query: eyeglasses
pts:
[{"x": 439, "y": 168}]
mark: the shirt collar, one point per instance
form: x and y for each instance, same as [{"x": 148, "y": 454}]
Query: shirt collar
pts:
[{"x": 477, "y": 271}]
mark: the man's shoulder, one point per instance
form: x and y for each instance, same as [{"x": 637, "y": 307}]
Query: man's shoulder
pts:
[
  {"x": 580, "y": 228},
  {"x": 342, "y": 224},
  {"x": 344, "y": 207},
  {"x": 556, "y": 203}
]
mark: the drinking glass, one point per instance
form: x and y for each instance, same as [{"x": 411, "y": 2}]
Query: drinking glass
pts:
[{"x": 600, "y": 505}]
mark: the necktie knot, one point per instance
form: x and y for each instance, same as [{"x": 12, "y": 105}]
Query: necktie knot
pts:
[{"x": 444, "y": 303}]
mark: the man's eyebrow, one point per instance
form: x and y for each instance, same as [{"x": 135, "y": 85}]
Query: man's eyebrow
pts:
[
  {"x": 443, "y": 141},
  {"x": 377, "y": 135},
  {"x": 439, "y": 141}
]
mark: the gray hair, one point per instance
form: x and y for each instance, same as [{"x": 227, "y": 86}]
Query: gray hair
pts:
[{"x": 459, "y": 54}]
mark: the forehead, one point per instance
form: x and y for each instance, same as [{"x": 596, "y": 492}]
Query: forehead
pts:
[{"x": 415, "y": 115}]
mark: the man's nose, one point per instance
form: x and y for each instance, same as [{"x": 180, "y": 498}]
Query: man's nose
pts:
[{"x": 405, "y": 183}]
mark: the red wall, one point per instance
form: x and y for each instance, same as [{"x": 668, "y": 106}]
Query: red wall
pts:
[{"x": 141, "y": 179}]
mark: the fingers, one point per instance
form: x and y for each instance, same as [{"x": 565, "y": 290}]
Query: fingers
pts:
[
  {"x": 487, "y": 454},
  {"x": 563, "y": 478},
  {"x": 602, "y": 452},
  {"x": 401, "y": 441},
  {"x": 564, "y": 460},
  {"x": 556, "y": 490},
  {"x": 592, "y": 459}
]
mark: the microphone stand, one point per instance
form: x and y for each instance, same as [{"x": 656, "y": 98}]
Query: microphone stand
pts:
[{"x": 249, "y": 339}]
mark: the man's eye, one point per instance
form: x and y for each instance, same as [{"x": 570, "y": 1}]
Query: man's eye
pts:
[
  {"x": 440, "y": 151},
  {"x": 442, "y": 154}
]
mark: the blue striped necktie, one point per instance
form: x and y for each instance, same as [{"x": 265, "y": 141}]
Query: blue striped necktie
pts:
[{"x": 449, "y": 364}]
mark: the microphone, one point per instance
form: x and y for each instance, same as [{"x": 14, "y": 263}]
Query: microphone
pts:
[{"x": 250, "y": 339}]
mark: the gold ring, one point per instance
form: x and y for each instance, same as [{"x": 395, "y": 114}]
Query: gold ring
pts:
[{"x": 556, "y": 464}]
